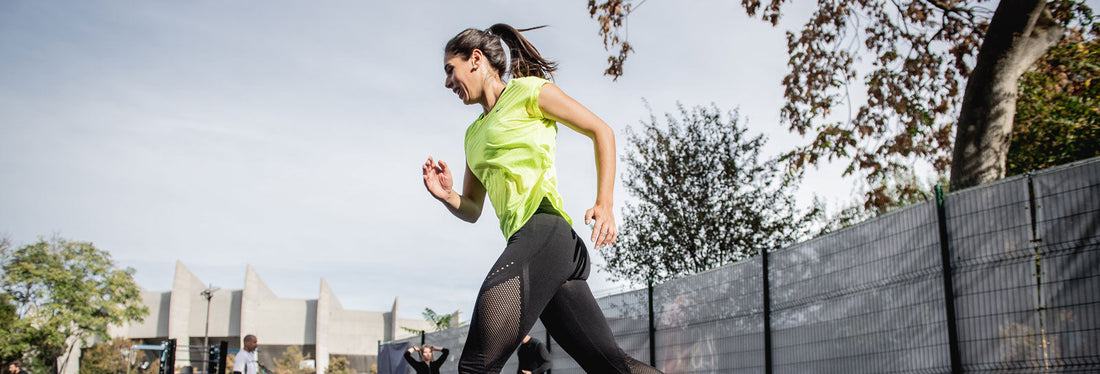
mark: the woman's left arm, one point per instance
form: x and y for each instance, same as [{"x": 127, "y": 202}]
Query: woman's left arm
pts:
[{"x": 558, "y": 106}]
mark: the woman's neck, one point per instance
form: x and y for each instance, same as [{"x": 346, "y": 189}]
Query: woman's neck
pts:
[{"x": 494, "y": 87}]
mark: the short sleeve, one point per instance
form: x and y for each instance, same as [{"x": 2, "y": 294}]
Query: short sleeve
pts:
[{"x": 533, "y": 86}]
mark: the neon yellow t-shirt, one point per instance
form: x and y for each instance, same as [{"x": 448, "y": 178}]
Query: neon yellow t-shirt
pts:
[{"x": 511, "y": 151}]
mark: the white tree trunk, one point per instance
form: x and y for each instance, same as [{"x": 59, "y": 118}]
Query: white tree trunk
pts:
[{"x": 1020, "y": 32}]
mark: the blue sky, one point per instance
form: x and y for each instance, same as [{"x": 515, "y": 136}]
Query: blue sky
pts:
[{"x": 288, "y": 135}]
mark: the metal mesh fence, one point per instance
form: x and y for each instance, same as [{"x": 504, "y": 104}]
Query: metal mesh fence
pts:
[
  {"x": 989, "y": 233},
  {"x": 864, "y": 300},
  {"x": 711, "y": 322},
  {"x": 1024, "y": 296},
  {"x": 1067, "y": 233}
]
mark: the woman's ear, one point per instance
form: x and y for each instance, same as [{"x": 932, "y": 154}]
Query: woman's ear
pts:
[{"x": 477, "y": 58}]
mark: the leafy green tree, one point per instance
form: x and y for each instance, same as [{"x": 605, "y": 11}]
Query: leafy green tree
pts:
[
  {"x": 10, "y": 349},
  {"x": 940, "y": 79},
  {"x": 154, "y": 367},
  {"x": 107, "y": 357},
  {"x": 705, "y": 198},
  {"x": 339, "y": 365},
  {"x": 439, "y": 322},
  {"x": 291, "y": 360},
  {"x": 1058, "y": 112},
  {"x": 229, "y": 358},
  {"x": 63, "y": 292}
]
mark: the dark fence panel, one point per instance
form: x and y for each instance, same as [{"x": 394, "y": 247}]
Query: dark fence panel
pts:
[
  {"x": 868, "y": 299},
  {"x": 1068, "y": 238},
  {"x": 1024, "y": 264},
  {"x": 711, "y": 322},
  {"x": 989, "y": 228}
]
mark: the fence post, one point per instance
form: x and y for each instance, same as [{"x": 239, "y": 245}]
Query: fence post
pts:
[
  {"x": 223, "y": 352},
  {"x": 948, "y": 285},
  {"x": 652, "y": 327},
  {"x": 767, "y": 313}
]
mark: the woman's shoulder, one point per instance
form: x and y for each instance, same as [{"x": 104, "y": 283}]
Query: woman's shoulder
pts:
[
  {"x": 529, "y": 82},
  {"x": 524, "y": 92}
]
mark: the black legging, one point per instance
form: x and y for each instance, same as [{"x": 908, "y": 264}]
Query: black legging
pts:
[{"x": 542, "y": 271}]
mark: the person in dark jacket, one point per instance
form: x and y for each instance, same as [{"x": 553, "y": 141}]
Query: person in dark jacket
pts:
[
  {"x": 427, "y": 364},
  {"x": 533, "y": 357}
]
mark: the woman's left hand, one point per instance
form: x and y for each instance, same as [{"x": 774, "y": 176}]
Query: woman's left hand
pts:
[{"x": 603, "y": 231}]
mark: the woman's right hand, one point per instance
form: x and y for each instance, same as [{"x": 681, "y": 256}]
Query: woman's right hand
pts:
[{"x": 437, "y": 179}]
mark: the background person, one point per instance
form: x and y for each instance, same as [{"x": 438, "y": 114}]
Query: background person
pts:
[
  {"x": 246, "y": 362},
  {"x": 533, "y": 357},
  {"x": 427, "y": 364},
  {"x": 16, "y": 367}
]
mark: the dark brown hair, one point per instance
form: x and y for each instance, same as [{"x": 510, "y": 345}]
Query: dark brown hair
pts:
[{"x": 526, "y": 60}]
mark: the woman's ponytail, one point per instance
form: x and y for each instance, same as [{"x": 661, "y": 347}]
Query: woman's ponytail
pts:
[{"x": 526, "y": 60}]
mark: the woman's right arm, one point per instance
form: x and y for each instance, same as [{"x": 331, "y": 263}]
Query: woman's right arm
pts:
[{"x": 466, "y": 206}]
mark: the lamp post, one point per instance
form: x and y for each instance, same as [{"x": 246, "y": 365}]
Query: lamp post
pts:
[
  {"x": 208, "y": 294},
  {"x": 129, "y": 357}
]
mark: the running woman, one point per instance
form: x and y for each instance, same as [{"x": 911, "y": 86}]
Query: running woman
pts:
[{"x": 510, "y": 157}]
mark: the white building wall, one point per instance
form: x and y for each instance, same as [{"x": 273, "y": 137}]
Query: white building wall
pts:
[
  {"x": 180, "y": 315},
  {"x": 326, "y": 302},
  {"x": 323, "y": 322},
  {"x": 286, "y": 322},
  {"x": 255, "y": 294},
  {"x": 225, "y": 311},
  {"x": 358, "y": 332},
  {"x": 154, "y": 325}
]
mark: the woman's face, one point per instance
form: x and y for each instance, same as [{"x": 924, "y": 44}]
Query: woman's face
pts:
[
  {"x": 462, "y": 77},
  {"x": 426, "y": 353}
]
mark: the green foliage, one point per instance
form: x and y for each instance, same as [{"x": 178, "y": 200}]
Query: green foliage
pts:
[
  {"x": 1058, "y": 110},
  {"x": 705, "y": 198},
  {"x": 439, "y": 322},
  {"x": 154, "y": 367},
  {"x": 107, "y": 357},
  {"x": 339, "y": 365},
  {"x": 290, "y": 361},
  {"x": 229, "y": 358},
  {"x": 410, "y": 330},
  {"x": 62, "y": 291},
  {"x": 9, "y": 350}
]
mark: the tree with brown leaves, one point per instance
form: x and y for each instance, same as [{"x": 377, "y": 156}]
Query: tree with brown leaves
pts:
[{"x": 940, "y": 79}]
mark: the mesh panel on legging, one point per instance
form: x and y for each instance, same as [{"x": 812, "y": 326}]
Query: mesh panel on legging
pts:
[{"x": 499, "y": 311}]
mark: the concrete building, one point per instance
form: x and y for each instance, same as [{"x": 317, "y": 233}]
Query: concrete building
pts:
[{"x": 320, "y": 327}]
